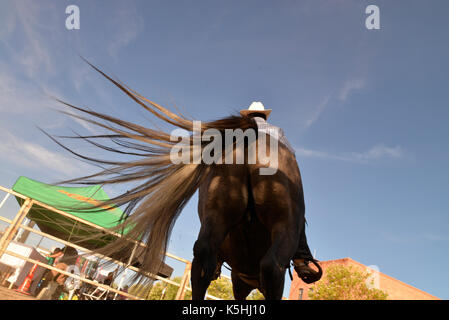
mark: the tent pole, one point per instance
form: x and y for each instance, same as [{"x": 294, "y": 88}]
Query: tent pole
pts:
[
  {"x": 9, "y": 233},
  {"x": 23, "y": 234},
  {"x": 185, "y": 279},
  {"x": 4, "y": 200},
  {"x": 131, "y": 257},
  {"x": 71, "y": 232},
  {"x": 39, "y": 243}
]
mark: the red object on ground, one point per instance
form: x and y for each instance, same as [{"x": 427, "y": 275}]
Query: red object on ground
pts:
[{"x": 25, "y": 287}]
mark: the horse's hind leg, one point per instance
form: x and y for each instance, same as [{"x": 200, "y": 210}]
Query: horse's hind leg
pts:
[
  {"x": 275, "y": 261},
  {"x": 212, "y": 234},
  {"x": 240, "y": 288},
  {"x": 204, "y": 261},
  {"x": 222, "y": 204}
]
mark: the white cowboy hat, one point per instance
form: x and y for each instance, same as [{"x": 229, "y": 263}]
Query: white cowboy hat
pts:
[{"x": 256, "y": 107}]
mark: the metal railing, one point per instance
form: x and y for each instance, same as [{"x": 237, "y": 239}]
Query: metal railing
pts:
[{"x": 16, "y": 224}]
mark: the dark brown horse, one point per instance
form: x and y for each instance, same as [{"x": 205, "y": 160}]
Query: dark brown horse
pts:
[{"x": 250, "y": 221}]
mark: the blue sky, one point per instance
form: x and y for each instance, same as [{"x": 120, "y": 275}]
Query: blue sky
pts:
[{"x": 366, "y": 110}]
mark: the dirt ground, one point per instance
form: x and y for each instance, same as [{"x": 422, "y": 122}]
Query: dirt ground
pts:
[{"x": 8, "y": 294}]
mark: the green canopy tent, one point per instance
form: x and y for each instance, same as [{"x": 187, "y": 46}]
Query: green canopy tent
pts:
[{"x": 68, "y": 199}]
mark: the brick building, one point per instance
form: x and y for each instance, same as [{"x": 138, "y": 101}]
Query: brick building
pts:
[{"x": 396, "y": 289}]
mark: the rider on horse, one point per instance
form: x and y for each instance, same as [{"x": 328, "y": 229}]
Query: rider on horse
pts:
[
  {"x": 302, "y": 256},
  {"x": 164, "y": 187}
]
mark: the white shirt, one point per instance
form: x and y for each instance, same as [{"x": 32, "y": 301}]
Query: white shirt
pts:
[{"x": 264, "y": 126}]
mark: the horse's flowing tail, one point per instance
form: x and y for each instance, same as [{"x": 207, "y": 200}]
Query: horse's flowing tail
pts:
[{"x": 162, "y": 188}]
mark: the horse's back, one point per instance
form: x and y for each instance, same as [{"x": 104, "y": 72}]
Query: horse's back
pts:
[
  {"x": 279, "y": 196},
  {"x": 224, "y": 192}
]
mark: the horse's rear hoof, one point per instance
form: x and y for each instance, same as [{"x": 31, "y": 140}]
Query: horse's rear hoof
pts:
[{"x": 306, "y": 273}]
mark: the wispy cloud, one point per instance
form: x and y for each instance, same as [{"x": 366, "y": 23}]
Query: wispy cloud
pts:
[
  {"x": 127, "y": 27},
  {"x": 19, "y": 96},
  {"x": 317, "y": 111},
  {"x": 342, "y": 94},
  {"x": 349, "y": 87},
  {"x": 414, "y": 238},
  {"x": 377, "y": 152},
  {"x": 22, "y": 153},
  {"x": 436, "y": 237},
  {"x": 8, "y": 23},
  {"x": 32, "y": 53}
]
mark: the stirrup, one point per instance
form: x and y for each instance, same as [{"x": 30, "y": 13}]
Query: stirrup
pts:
[{"x": 307, "y": 274}]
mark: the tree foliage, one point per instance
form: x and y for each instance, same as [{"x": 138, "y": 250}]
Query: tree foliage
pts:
[
  {"x": 220, "y": 288},
  {"x": 346, "y": 283},
  {"x": 255, "y": 295},
  {"x": 165, "y": 291}
]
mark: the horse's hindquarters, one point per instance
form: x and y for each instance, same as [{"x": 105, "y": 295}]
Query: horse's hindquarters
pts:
[{"x": 244, "y": 247}]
